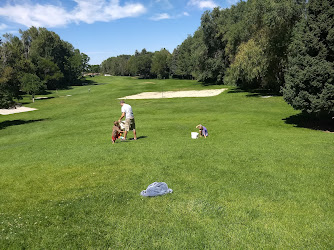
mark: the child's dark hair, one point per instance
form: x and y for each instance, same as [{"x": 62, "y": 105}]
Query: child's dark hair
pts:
[{"x": 116, "y": 123}]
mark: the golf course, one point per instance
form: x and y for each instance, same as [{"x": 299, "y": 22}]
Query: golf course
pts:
[{"x": 260, "y": 180}]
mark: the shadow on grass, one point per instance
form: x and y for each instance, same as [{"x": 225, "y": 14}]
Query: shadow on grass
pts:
[
  {"x": 261, "y": 93},
  {"x": 141, "y": 137},
  {"x": 302, "y": 120},
  {"x": 89, "y": 82},
  {"x": 6, "y": 124},
  {"x": 131, "y": 139},
  {"x": 138, "y": 138},
  {"x": 45, "y": 92},
  {"x": 235, "y": 91},
  {"x": 205, "y": 84},
  {"x": 253, "y": 92},
  {"x": 22, "y": 103}
]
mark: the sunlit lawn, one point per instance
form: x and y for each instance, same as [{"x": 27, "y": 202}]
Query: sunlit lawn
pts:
[{"x": 255, "y": 182}]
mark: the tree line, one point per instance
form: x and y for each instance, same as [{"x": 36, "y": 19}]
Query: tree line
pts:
[
  {"x": 37, "y": 60},
  {"x": 144, "y": 64},
  {"x": 283, "y": 46}
]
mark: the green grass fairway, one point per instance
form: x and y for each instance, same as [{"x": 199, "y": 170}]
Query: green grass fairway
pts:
[{"x": 256, "y": 182}]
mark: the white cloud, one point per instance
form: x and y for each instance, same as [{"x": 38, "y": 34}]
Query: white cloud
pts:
[
  {"x": 35, "y": 15},
  {"x": 161, "y": 16},
  {"x": 166, "y": 4},
  {"x": 207, "y": 4},
  {"x": 88, "y": 11},
  {"x": 233, "y": 1},
  {"x": 3, "y": 26}
]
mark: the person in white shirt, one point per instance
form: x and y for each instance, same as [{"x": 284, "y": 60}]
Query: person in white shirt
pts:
[{"x": 129, "y": 119}]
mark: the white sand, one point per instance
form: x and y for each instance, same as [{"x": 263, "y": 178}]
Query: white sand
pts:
[
  {"x": 175, "y": 94},
  {"x": 15, "y": 110}
]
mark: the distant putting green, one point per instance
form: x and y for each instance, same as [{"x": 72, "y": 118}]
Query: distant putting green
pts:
[{"x": 258, "y": 181}]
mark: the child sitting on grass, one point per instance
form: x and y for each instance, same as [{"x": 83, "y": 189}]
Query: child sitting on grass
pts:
[
  {"x": 202, "y": 130},
  {"x": 116, "y": 132}
]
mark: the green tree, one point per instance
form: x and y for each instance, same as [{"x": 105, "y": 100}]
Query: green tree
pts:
[
  {"x": 122, "y": 63},
  {"x": 144, "y": 61},
  {"x": 140, "y": 63},
  {"x": 249, "y": 66},
  {"x": 118, "y": 66},
  {"x": 38, "y": 52},
  {"x": 49, "y": 73},
  {"x": 31, "y": 84},
  {"x": 212, "y": 64},
  {"x": 132, "y": 65},
  {"x": 11, "y": 51},
  {"x": 27, "y": 37},
  {"x": 9, "y": 87},
  {"x": 182, "y": 61},
  {"x": 106, "y": 66},
  {"x": 160, "y": 63},
  {"x": 44, "y": 45},
  {"x": 198, "y": 56},
  {"x": 77, "y": 63},
  {"x": 84, "y": 62},
  {"x": 310, "y": 76},
  {"x": 268, "y": 25},
  {"x": 94, "y": 68}
]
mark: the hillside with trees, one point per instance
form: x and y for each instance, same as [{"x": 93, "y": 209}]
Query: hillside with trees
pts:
[{"x": 37, "y": 60}]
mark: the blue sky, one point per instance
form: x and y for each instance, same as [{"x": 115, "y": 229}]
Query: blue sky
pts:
[{"x": 106, "y": 28}]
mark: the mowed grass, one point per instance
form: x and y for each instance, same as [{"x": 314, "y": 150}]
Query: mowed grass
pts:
[{"x": 255, "y": 182}]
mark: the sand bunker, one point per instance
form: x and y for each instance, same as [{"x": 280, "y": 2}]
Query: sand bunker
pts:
[
  {"x": 175, "y": 94},
  {"x": 15, "y": 110},
  {"x": 42, "y": 97},
  {"x": 266, "y": 96}
]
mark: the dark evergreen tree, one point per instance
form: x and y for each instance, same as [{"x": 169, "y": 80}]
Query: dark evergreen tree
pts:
[
  {"x": 310, "y": 76},
  {"x": 11, "y": 50},
  {"x": 9, "y": 87}
]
